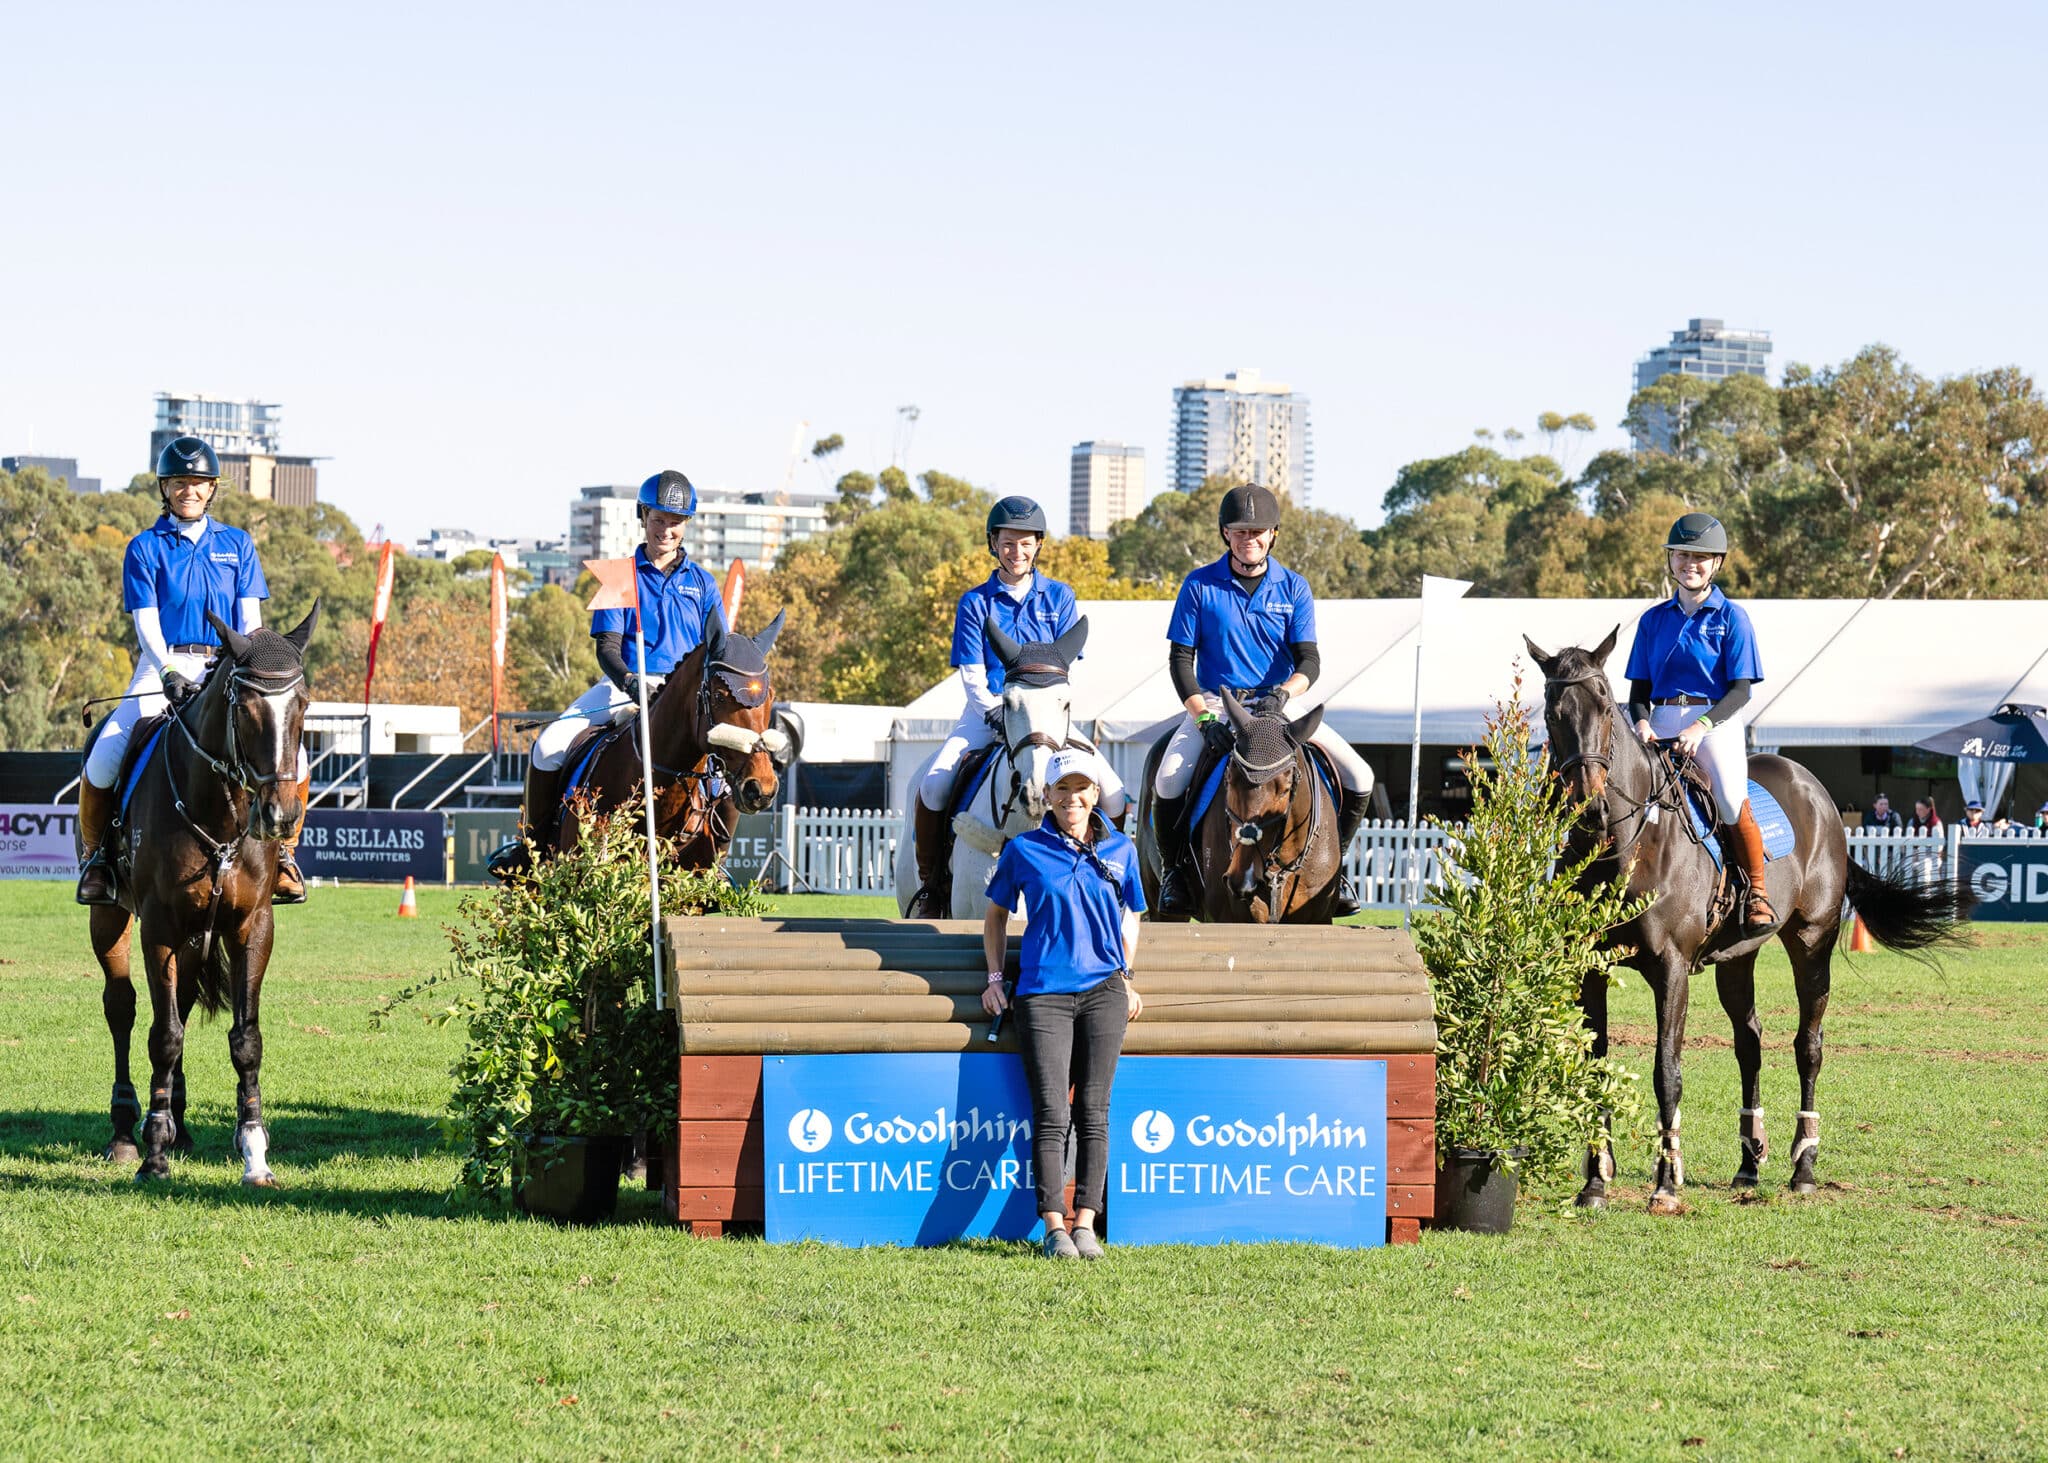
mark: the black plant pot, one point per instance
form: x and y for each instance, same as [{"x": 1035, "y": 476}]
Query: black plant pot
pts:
[
  {"x": 1474, "y": 1193},
  {"x": 569, "y": 1178}
]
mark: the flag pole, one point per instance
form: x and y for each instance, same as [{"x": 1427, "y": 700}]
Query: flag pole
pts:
[
  {"x": 647, "y": 784},
  {"x": 1410, "y": 874}
]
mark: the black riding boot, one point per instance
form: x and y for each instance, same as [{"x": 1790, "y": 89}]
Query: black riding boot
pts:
[
  {"x": 542, "y": 806},
  {"x": 1169, "y": 827},
  {"x": 1350, "y": 813},
  {"x": 933, "y": 899}
]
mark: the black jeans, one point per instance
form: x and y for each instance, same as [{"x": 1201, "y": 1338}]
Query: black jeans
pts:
[{"x": 1072, "y": 1040}]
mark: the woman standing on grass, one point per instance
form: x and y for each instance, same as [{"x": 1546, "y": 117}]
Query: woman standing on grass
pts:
[{"x": 1079, "y": 880}]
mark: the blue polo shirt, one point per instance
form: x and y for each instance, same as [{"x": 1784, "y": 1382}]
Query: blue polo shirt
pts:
[
  {"x": 1074, "y": 938},
  {"x": 1243, "y": 641},
  {"x": 1046, "y": 612},
  {"x": 1696, "y": 654},
  {"x": 678, "y": 605},
  {"x": 181, "y": 579}
]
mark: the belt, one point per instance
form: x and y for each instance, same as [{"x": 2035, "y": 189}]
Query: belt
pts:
[
  {"x": 209, "y": 651},
  {"x": 1684, "y": 701}
]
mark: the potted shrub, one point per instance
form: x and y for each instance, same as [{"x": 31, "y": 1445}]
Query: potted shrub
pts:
[
  {"x": 1519, "y": 1093},
  {"x": 567, "y": 1056}
]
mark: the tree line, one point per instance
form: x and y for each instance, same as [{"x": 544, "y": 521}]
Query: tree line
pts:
[{"x": 1862, "y": 479}]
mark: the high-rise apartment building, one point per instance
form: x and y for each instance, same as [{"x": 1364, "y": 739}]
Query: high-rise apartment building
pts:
[
  {"x": 1107, "y": 485},
  {"x": 603, "y": 523},
  {"x": 244, "y": 435},
  {"x": 1707, "y": 349},
  {"x": 65, "y": 468},
  {"x": 1242, "y": 427}
]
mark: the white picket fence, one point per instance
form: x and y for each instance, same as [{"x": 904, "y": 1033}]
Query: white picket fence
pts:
[{"x": 853, "y": 851}]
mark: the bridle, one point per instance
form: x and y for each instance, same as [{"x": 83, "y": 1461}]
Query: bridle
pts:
[
  {"x": 1664, "y": 793},
  {"x": 1252, "y": 832},
  {"x": 1033, "y": 738}
]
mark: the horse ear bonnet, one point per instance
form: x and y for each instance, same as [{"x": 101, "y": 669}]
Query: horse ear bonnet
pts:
[
  {"x": 1038, "y": 664},
  {"x": 270, "y": 654},
  {"x": 1264, "y": 749},
  {"x": 740, "y": 664}
]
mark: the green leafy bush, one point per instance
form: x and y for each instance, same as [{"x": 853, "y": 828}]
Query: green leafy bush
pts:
[
  {"x": 563, "y": 1034},
  {"x": 1518, "y": 932}
]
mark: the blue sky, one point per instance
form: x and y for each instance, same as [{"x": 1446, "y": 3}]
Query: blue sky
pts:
[{"x": 483, "y": 255}]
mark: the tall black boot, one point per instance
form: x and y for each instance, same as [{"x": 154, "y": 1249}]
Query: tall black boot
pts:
[
  {"x": 1350, "y": 813},
  {"x": 538, "y": 813},
  {"x": 1176, "y": 888},
  {"x": 933, "y": 900}
]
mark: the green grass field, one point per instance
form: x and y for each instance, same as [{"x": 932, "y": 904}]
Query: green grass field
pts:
[{"x": 1902, "y": 1312}]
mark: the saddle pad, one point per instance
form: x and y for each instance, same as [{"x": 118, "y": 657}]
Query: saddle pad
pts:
[
  {"x": 963, "y": 794},
  {"x": 1317, "y": 759},
  {"x": 1770, "y": 819},
  {"x": 138, "y": 765},
  {"x": 587, "y": 757}
]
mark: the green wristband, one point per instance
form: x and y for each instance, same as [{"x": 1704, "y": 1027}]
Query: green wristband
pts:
[{"x": 1705, "y": 723}]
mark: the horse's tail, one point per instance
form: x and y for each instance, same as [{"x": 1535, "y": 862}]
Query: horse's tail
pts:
[
  {"x": 214, "y": 978},
  {"x": 1906, "y": 913}
]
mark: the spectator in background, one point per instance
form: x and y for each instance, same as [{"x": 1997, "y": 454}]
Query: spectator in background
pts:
[
  {"x": 1973, "y": 817},
  {"x": 1925, "y": 819},
  {"x": 2041, "y": 819},
  {"x": 1883, "y": 815}
]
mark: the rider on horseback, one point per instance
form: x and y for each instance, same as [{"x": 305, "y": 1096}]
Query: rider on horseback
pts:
[
  {"x": 175, "y": 572},
  {"x": 1029, "y": 608},
  {"x": 1689, "y": 671},
  {"x": 1247, "y": 624},
  {"x": 679, "y": 599}
]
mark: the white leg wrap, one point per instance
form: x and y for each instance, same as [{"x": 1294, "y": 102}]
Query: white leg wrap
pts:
[
  {"x": 1809, "y": 1135},
  {"x": 253, "y": 1143}
]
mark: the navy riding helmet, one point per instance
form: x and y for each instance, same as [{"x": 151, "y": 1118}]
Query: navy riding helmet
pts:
[
  {"x": 1698, "y": 533},
  {"x": 669, "y": 491},
  {"x": 1019, "y": 513},
  {"x": 187, "y": 457}
]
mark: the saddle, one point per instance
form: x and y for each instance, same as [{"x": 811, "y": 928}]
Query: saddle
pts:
[{"x": 1731, "y": 881}]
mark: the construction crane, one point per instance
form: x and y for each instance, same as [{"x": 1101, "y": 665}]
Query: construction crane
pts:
[
  {"x": 796, "y": 454},
  {"x": 906, "y": 427}
]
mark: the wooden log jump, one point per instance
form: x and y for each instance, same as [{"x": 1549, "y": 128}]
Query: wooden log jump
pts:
[{"x": 745, "y": 989}]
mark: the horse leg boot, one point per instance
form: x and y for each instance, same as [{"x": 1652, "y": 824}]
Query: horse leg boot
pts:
[
  {"x": 1350, "y": 813},
  {"x": 290, "y": 887},
  {"x": 932, "y": 899},
  {"x": 1169, "y": 827},
  {"x": 95, "y": 871},
  {"x": 1760, "y": 918}
]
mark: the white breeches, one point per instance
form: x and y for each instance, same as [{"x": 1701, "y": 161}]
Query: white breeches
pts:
[
  {"x": 601, "y": 705},
  {"x": 971, "y": 731},
  {"x": 145, "y": 698},
  {"x": 1723, "y": 754},
  {"x": 1177, "y": 767}
]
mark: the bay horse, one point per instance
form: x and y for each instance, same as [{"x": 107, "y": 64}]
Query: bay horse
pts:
[
  {"x": 716, "y": 746},
  {"x": 1637, "y": 821},
  {"x": 1035, "y": 719},
  {"x": 1266, "y": 850},
  {"x": 214, "y": 789}
]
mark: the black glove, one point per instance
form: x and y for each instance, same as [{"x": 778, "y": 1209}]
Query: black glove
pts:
[
  {"x": 1216, "y": 732},
  {"x": 1273, "y": 703},
  {"x": 178, "y": 687}
]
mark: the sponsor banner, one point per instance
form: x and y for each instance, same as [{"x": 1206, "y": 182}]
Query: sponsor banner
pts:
[
  {"x": 2009, "y": 878},
  {"x": 907, "y": 1148},
  {"x": 478, "y": 833},
  {"x": 374, "y": 844},
  {"x": 1211, "y": 1150},
  {"x": 753, "y": 844},
  {"x": 38, "y": 840}
]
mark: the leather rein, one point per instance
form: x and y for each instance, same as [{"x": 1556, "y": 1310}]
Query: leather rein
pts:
[
  {"x": 1278, "y": 874},
  {"x": 1666, "y": 792}
]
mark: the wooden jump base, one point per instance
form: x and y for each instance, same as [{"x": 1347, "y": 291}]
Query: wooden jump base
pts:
[{"x": 744, "y": 989}]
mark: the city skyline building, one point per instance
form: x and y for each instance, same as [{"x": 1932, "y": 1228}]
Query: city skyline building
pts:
[
  {"x": 65, "y": 468},
  {"x": 1705, "y": 348},
  {"x": 1106, "y": 485},
  {"x": 244, "y": 435},
  {"x": 1244, "y": 427}
]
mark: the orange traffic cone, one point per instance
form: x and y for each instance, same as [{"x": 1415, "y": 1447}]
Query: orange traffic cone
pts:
[
  {"x": 1860, "y": 942},
  {"x": 408, "y": 904}
]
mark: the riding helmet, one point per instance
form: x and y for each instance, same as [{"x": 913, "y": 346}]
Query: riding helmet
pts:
[
  {"x": 186, "y": 457},
  {"x": 1698, "y": 533},
  {"x": 669, "y": 491},
  {"x": 1249, "y": 506},
  {"x": 1019, "y": 513}
]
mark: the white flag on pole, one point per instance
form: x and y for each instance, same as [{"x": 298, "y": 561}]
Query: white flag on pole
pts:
[{"x": 1438, "y": 594}]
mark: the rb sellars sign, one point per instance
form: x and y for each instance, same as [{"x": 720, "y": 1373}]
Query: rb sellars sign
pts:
[
  {"x": 907, "y": 1148},
  {"x": 347, "y": 843},
  {"x": 1210, "y": 1150}
]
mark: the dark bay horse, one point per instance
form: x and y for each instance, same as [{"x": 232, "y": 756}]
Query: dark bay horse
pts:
[
  {"x": 712, "y": 725},
  {"x": 1267, "y": 850},
  {"x": 214, "y": 792},
  {"x": 1636, "y": 818}
]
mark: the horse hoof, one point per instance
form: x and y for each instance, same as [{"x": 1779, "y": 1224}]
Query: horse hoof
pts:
[
  {"x": 1665, "y": 1205},
  {"x": 1744, "y": 1180},
  {"x": 1588, "y": 1199},
  {"x": 1804, "y": 1186},
  {"x": 122, "y": 1150},
  {"x": 148, "y": 1174},
  {"x": 260, "y": 1181}
]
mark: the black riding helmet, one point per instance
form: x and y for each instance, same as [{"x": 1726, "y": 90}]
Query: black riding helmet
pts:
[
  {"x": 1249, "y": 506},
  {"x": 1698, "y": 533},
  {"x": 1021, "y": 514},
  {"x": 185, "y": 457}
]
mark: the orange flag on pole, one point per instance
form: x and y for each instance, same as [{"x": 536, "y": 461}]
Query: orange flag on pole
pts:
[
  {"x": 618, "y": 584},
  {"x": 380, "y": 610},
  {"x": 735, "y": 590},
  {"x": 500, "y": 621}
]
